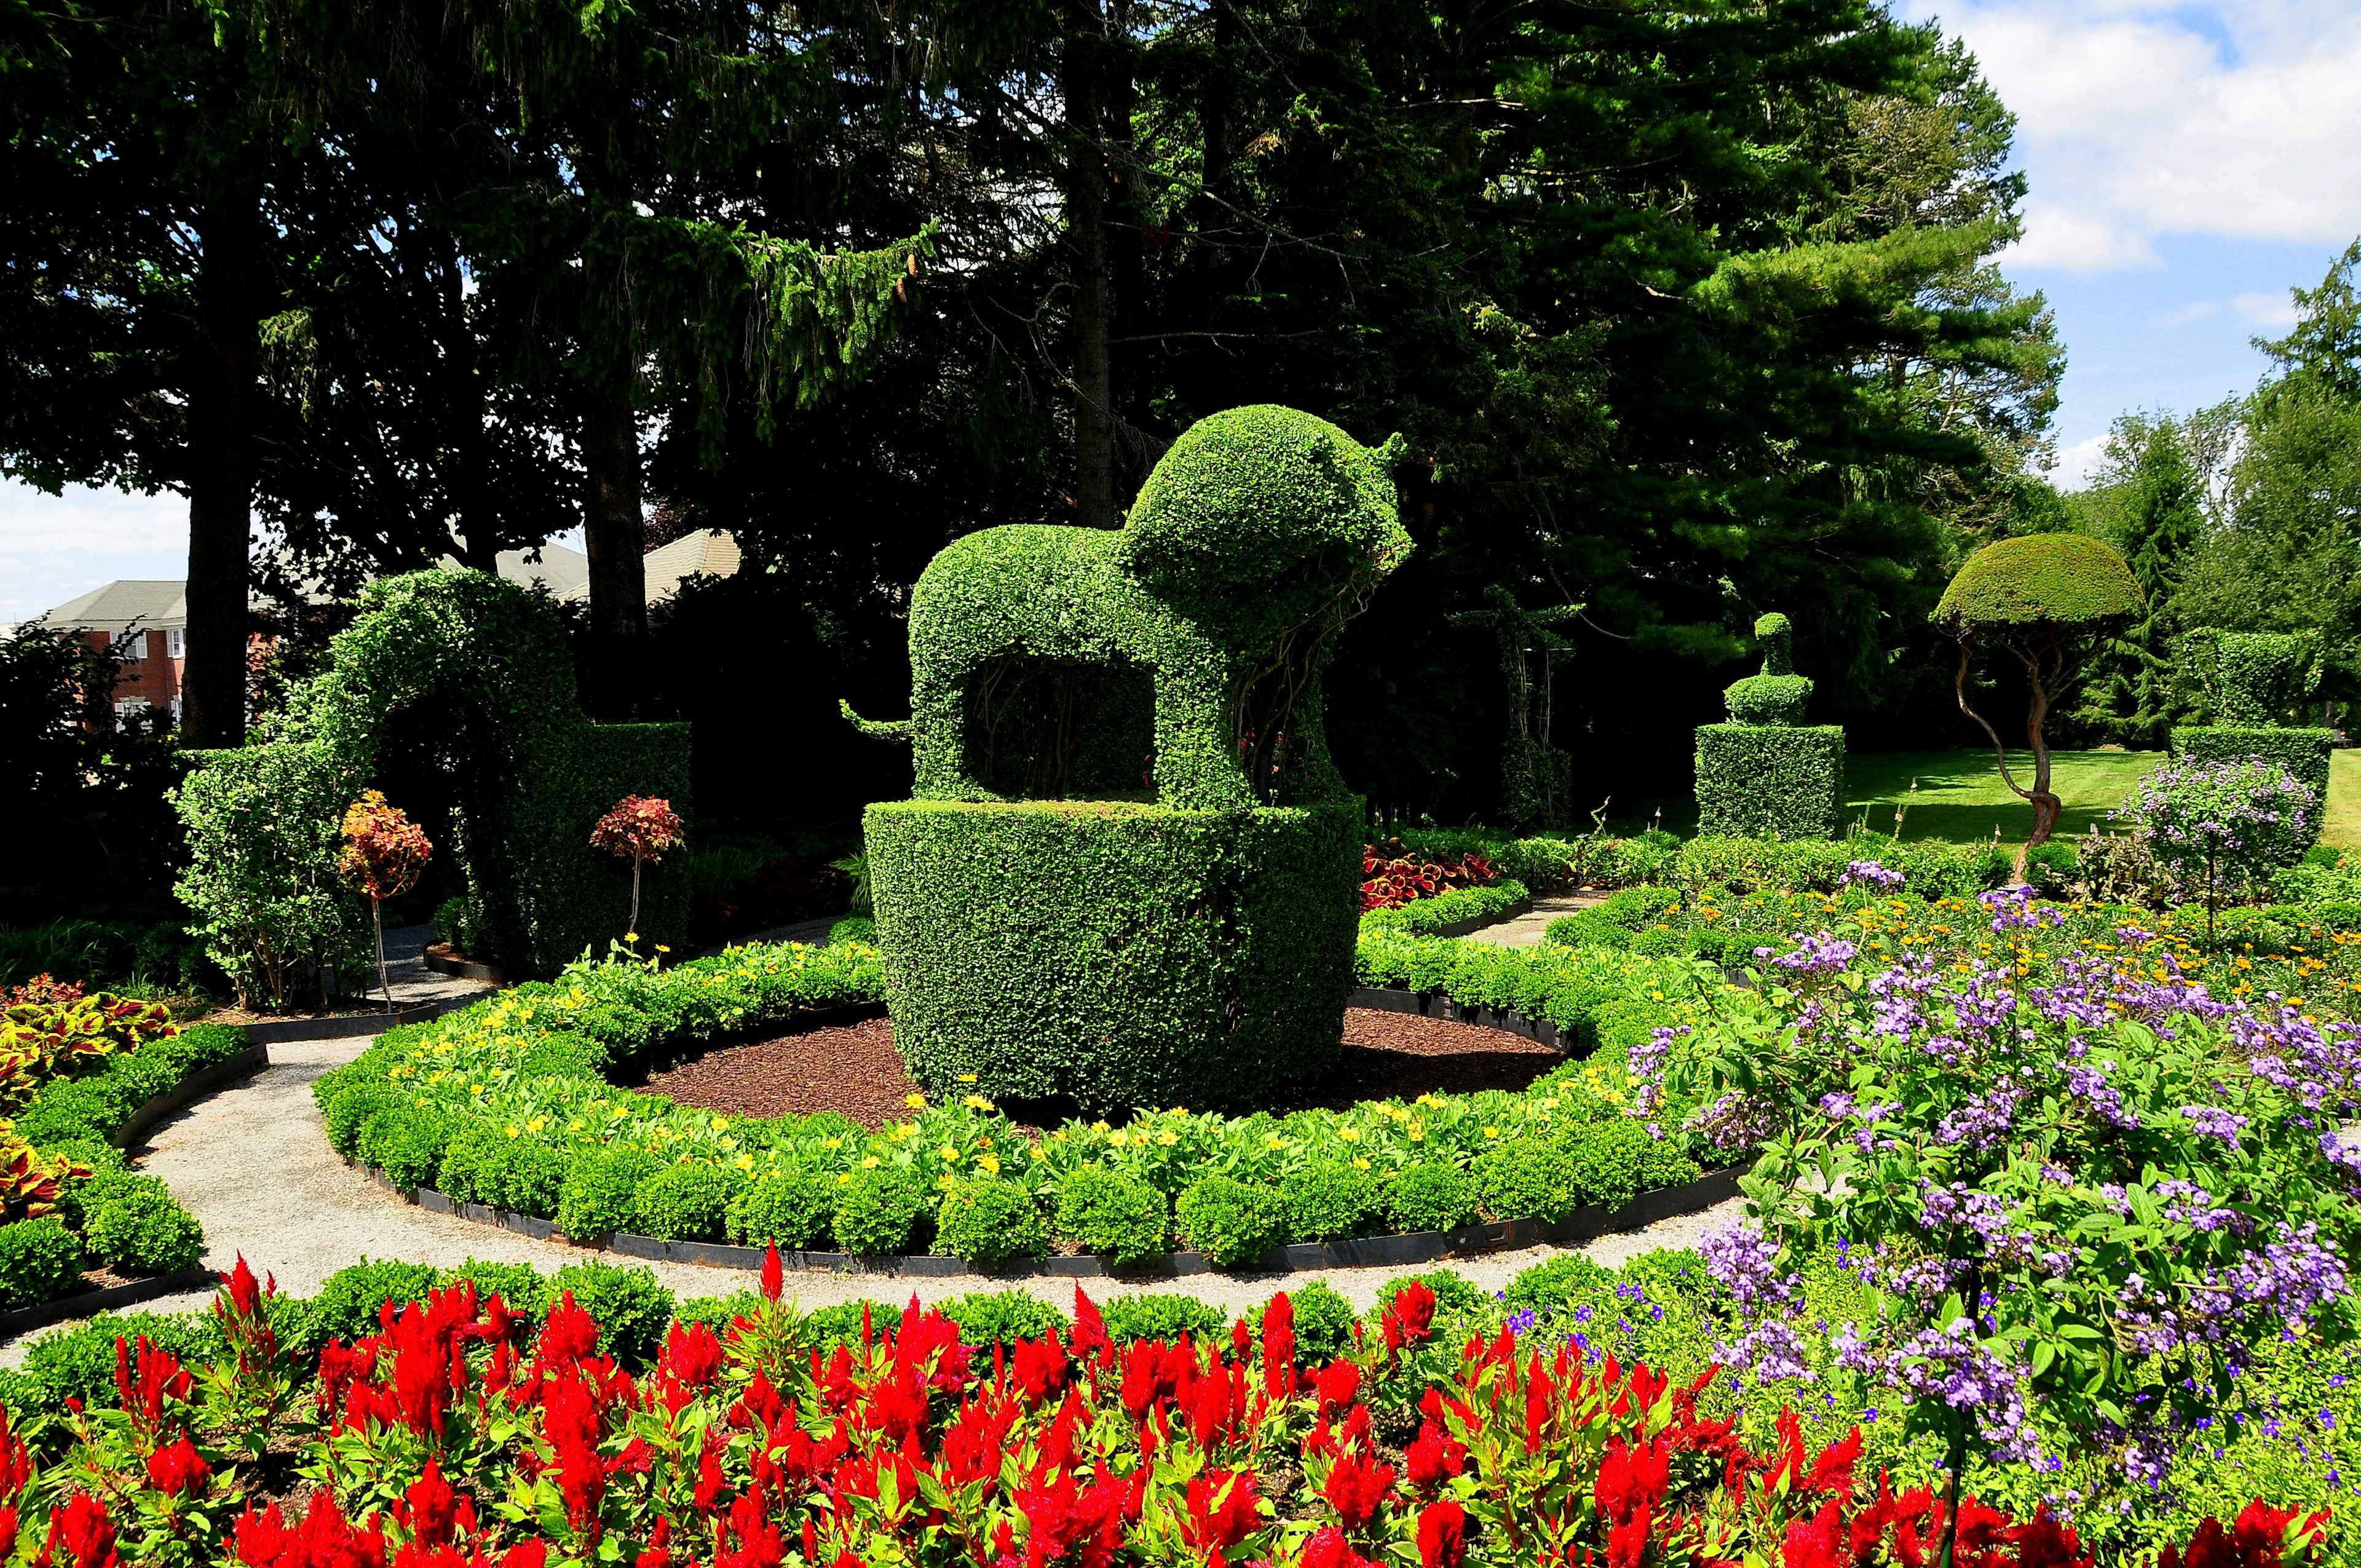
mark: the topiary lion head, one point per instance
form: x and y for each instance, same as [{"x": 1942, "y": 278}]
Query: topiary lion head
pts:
[{"x": 1262, "y": 504}]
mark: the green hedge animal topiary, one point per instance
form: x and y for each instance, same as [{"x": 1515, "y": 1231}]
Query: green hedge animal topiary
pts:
[
  {"x": 1127, "y": 872},
  {"x": 1766, "y": 775}
]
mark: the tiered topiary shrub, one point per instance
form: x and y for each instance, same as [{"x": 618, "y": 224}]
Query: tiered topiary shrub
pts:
[
  {"x": 2257, "y": 680},
  {"x": 1128, "y": 872},
  {"x": 1766, "y": 775},
  {"x": 485, "y": 662}
]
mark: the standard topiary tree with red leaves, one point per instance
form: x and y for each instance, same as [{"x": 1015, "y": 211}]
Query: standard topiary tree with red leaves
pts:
[
  {"x": 384, "y": 854},
  {"x": 642, "y": 829}
]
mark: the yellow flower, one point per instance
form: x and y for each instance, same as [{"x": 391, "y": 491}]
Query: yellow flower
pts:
[
  {"x": 869, "y": 1163},
  {"x": 721, "y": 1123},
  {"x": 662, "y": 948},
  {"x": 946, "y": 1181},
  {"x": 1037, "y": 1152},
  {"x": 1491, "y": 1132},
  {"x": 967, "y": 1077},
  {"x": 1118, "y": 1139},
  {"x": 915, "y": 1102},
  {"x": 1168, "y": 1138},
  {"x": 512, "y": 1129},
  {"x": 1274, "y": 1141},
  {"x": 1350, "y": 1135},
  {"x": 1361, "y": 1162},
  {"x": 630, "y": 936},
  {"x": 949, "y": 1154},
  {"x": 990, "y": 1162},
  {"x": 1098, "y": 1126},
  {"x": 745, "y": 1162},
  {"x": 831, "y": 1142},
  {"x": 976, "y": 1102},
  {"x": 1418, "y": 1132}
]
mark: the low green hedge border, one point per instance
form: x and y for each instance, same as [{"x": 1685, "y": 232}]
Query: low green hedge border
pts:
[
  {"x": 503, "y": 1104},
  {"x": 1426, "y": 916},
  {"x": 114, "y": 1219}
]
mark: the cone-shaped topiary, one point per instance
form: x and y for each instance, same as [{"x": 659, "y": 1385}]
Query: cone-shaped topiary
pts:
[{"x": 2043, "y": 598}]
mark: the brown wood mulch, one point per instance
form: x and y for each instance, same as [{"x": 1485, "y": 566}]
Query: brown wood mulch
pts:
[{"x": 853, "y": 1069}]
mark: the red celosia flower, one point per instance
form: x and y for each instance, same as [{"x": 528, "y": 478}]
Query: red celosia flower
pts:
[
  {"x": 1632, "y": 1478},
  {"x": 178, "y": 1468},
  {"x": 1443, "y": 1535},
  {"x": 1816, "y": 1542},
  {"x": 1329, "y": 1549},
  {"x": 692, "y": 1355},
  {"x": 568, "y": 1335},
  {"x": 431, "y": 1506},
  {"x": 1627, "y": 1543},
  {"x": 81, "y": 1536},
  {"x": 1223, "y": 1510},
  {"x": 1039, "y": 1367},
  {"x": 1356, "y": 1488},
  {"x": 2042, "y": 1542},
  {"x": 1434, "y": 1457},
  {"x": 1279, "y": 1346},
  {"x": 1338, "y": 1385},
  {"x": 1410, "y": 1317},
  {"x": 775, "y": 1279}
]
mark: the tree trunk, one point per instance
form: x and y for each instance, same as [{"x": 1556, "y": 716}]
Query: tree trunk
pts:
[
  {"x": 463, "y": 405},
  {"x": 2047, "y": 806},
  {"x": 221, "y": 393},
  {"x": 1079, "y": 79},
  {"x": 614, "y": 533}
]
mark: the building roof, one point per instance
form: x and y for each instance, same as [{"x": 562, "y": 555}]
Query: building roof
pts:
[{"x": 162, "y": 604}]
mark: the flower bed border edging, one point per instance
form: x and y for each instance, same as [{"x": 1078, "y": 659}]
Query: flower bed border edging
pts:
[
  {"x": 1409, "y": 1249},
  {"x": 194, "y": 1087},
  {"x": 442, "y": 962},
  {"x": 349, "y": 1025},
  {"x": 106, "y": 1298},
  {"x": 1438, "y": 1004}
]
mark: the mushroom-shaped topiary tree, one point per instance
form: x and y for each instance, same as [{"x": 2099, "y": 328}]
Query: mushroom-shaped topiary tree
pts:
[{"x": 2044, "y": 599}]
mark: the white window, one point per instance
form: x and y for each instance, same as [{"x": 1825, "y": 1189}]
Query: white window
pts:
[
  {"x": 135, "y": 643},
  {"x": 172, "y": 648}
]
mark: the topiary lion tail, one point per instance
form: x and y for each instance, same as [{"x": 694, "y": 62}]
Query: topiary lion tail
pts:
[{"x": 901, "y": 730}]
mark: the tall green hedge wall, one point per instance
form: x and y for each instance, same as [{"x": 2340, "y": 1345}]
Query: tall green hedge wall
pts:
[
  {"x": 2305, "y": 752},
  {"x": 1757, "y": 781},
  {"x": 1121, "y": 953},
  {"x": 488, "y": 659}
]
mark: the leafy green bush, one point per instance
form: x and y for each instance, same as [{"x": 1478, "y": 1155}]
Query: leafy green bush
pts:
[
  {"x": 689, "y": 1201},
  {"x": 1607, "y": 1158},
  {"x": 1166, "y": 1318},
  {"x": 1231, "y": 1223},
  {"x": 407, "y": 1143},
  {"x": 1327, "y": 1200},
  {"x": 351, "y": 1300},
  {"x": 1670, "y": 1274},
  {"x": 791, "y": 1206},
  {"x": 472, "y": 1151},
  {"x": 1527, "y": 1178},
  {"x": 1425, "y": 916},
  {"x": 877, "y": 1210},
  {"x": 39, "y": 1259},
  {"x": 990, "y": 1219},
  {"x": 602, "y": 1190},
  {"x": 78, "y": 1363},
  {"x": 632, "y": 1309},
  {"x": 718, "y": 1312},
  {"x": 1433, "y": 1197},
  {"x": 1001, "y": 1316},
  {"x": 1770, "y": 782},
  {"x": 2304, "y": 752},
  {"x": 1324, "y": 1321},
  {"x": 1114, "y": 1214},
  {"x": 1546, "y": 1286},
  {"x": 522, "y": 1288},
  {"x": 133, "y": 1224}
]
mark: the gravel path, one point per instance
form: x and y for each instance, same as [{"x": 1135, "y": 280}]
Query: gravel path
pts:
[
  {"x": 253, "y": 1164},
  {"x": 1525, "y": 931}
]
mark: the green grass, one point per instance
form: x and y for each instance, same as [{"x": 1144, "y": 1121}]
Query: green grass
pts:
[
  {"x": 1961, "y": 796},
  {"x": 2341, "y": 828}
]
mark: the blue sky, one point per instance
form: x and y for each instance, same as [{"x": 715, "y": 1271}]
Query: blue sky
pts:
[{"x": 2189, "y": 164}]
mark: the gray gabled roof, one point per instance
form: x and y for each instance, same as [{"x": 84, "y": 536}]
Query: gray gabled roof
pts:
[{"x": 151, "y": 604}]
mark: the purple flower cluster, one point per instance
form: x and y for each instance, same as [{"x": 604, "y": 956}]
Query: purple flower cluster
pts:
[
  {"x": 1745, "y": 1263},
  {"x": 2019, "y": 909},
  {"x": 2213, "y": 1122},
  {"x": 1873, "y": 874},
  {"x": 1735, "y": 1123},
  {"x": 1818, "y": 953},
  {"x": 1982, "y": 1122}
]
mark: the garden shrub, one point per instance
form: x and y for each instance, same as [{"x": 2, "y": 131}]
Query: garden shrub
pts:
[
  {"x": 1231, "y": 1223},
  {"x": 989, "y": 1220},
  {"x": 39, "y": 1259},
  {"x": 565, "y": 1054},
  {"x": 841, "y": 1324},
  {"x": 1526, "y": 1179},
  {"x": 791, "y": 1206},
  {"x": 633, "y": 1311},
  {"x": 1167, "y": 1318},
  {"x": 350, "y": 1301},
  {"x": 349, "y": 1114},
  {"x": 877, "y": 1209},
  {"x": 1770, "y": 783},
  {"x": 2224, "y": 828},
  {"x": 2305, "y": 753},
  {"x": 1114, "y": 1214},
  {"x": 1000, "y": 1317},
  {"x": 526, "y": 1177},
  {"x": 1546, "y": 1286},
  {"x": 1663, "y": 1165},
  {"x": 522, "y": 1288},
  {"x": 1324, "y": 1322},
  {"x": 133, "y": 1224},
  {"x": 1172, "y": 958},
  {"x": 1329, "y": 1200},
  {"x": 1426, "y": 916},
  {"x": 718, "y": 1312},
  {"x": 473, "y": 1152},
  {"x": 407, "y": 1143},
  {"x": 78, "y": 1363},
  {"x": 601, "y": 1194},
  {"x": 688, "y": 1201},
  {"x": 1608, "y": 1159},
  {"x": 860, "y": 928},
  {"x": 1671, "y": 1273},
  {"x": 1433, "y": 1197}
]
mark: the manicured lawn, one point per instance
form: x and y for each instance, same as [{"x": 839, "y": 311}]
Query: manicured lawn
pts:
[
  {"x": 1961, "y": 796},
  {"x": 2342, "y": 828}
]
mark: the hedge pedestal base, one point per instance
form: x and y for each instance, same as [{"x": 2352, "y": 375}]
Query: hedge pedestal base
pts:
[
  {"x": 1123, "y": 954},
  {"x": 1766, "y": 781}
]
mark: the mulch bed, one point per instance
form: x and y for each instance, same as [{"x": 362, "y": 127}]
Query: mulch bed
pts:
[{"x": 854, "y": 1069}]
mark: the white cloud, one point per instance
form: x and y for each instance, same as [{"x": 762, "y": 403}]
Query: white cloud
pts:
[
  {"x": 2077, "y": 462},
  {"x": 54, "y": 548},
  {"x": 2265, "y": 310},
  {"x": 2195, "y": 312},
  {"x": 2135, "y": 122}
]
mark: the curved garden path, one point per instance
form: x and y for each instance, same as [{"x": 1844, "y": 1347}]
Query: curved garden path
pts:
[{"x": 252, "y": 1162}]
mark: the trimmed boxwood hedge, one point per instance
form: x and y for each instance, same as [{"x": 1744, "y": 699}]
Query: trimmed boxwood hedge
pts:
[
  {"x": 1426, "y": 916},
  {"x": 537, "y": 1141},
  {"x": 1770, "y": 781},
  {"x": 1120, "y": 953}
]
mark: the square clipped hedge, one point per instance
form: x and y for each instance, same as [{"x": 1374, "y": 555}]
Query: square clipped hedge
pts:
[
  {"x": 1756, "y": 781},
  {"x": 1124, "y": 954},
  {"x": 2305, "y": 752}
]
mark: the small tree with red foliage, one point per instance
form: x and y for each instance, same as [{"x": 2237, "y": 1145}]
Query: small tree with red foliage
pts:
[
  {"x": 640, "y": 829},
  {"x": 384, "y": 854}
]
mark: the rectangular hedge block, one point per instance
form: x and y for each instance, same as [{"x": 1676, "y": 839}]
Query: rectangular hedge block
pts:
[
  {"x": 1126, "y": 955},
  {"x": 2305, "y": 752},
  {"x": 1756, "y": 781}
]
